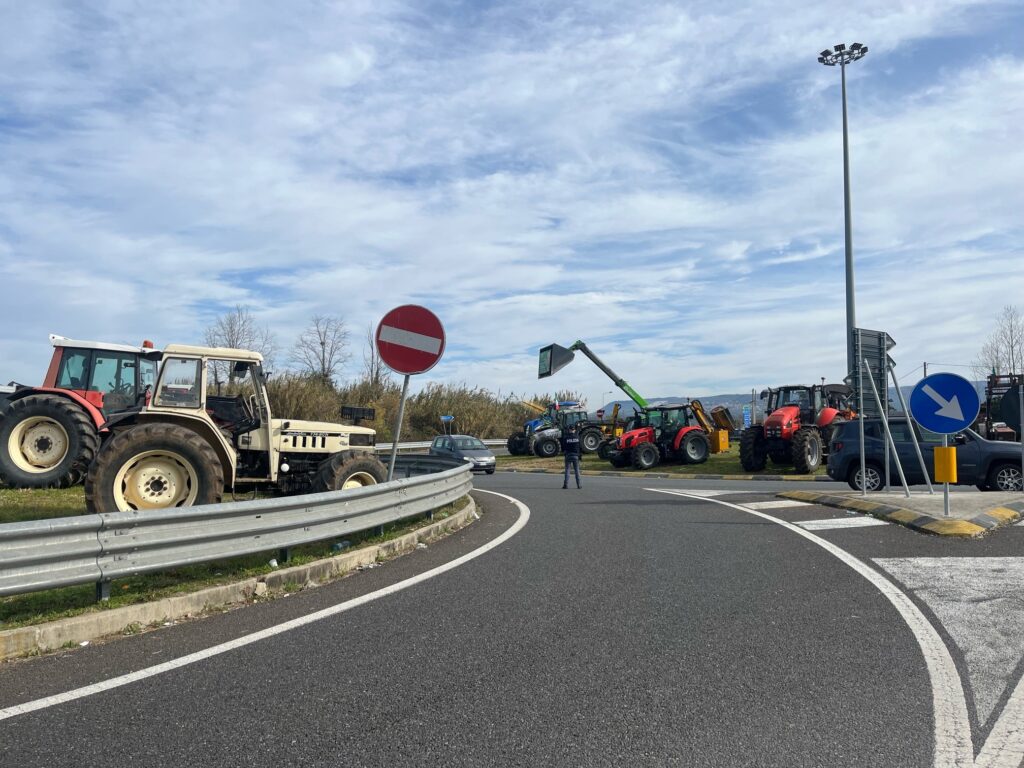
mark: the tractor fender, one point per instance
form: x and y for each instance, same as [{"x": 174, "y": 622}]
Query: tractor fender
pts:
[
  {"x": 86, "y": 404},
  {"x": 217, "y": 441},
  {"x": 681, "y": 435},
  {"x": 827, "y": 416}
]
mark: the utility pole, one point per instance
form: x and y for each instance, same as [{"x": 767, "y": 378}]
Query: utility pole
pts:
[{"x": 841, "y": 55}]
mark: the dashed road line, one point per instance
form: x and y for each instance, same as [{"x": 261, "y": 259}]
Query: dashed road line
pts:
[
  {"x": 776, "y": 504},
  {"x": 839, "y": 523}
]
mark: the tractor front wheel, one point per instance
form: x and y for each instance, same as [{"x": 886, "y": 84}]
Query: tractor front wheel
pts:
[
  {"x": 753, "y": 449},
  {"x": 806, "y": 451},
  {"x": 695, "y": 448},
  {"x": 516, "y": 444},
  {"x": 604, "y": 449},
  {"x": 349, "y": 469},
  {"x": 154, "y": 466},
  {"x": 590, "y": 440},
  {"x": 546, "y": 447},
  {"x": 46, "y": 441},
  {"x": 646, "y": 456}
]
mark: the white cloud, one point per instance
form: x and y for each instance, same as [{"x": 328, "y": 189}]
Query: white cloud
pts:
[{"x": 664, "y": 183}]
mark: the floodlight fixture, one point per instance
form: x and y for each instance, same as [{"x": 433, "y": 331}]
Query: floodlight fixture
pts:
[{"x": 841, "y": 55}]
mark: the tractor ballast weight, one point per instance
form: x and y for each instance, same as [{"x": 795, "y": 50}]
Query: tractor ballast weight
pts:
[
  {"x": 798, "y": 425},
  {"x": 208, "y": 428},
  {"x": 50, "y": 433}
]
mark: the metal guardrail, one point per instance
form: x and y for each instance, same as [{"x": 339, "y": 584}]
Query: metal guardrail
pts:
[
  {"x": 425, "y": 445},
  {"x": 44, "y": 554}
]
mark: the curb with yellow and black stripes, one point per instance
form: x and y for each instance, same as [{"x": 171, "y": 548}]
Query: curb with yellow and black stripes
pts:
[{"x": 963, "y": 527}]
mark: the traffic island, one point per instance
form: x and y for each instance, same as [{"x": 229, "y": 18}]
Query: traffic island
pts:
[{"x": 971, "y": 514}]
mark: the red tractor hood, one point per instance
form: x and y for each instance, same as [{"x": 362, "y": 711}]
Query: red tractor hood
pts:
[{"x": 780, "y": 416}]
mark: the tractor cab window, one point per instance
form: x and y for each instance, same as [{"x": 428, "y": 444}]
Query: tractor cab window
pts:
[
  {"x": 234, "y": 402},
  {"x": 797, "y": 397},
  {"x": 179, "y": 383},
  {"x": 73, "y": 367},
  {"x": 573, "y": 418},
  {"x": 147, "y": 374},
  {"x": 113, "y": 374}
]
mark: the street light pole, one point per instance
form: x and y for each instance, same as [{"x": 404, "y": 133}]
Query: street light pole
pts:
[{"x": 841, "y": 55}]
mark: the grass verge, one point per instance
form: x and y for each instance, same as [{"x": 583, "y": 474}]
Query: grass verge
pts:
[{"x": 39, "y": 607}]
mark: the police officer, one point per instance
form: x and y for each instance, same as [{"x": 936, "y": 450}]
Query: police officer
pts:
[{"x": 571, "y": 451}]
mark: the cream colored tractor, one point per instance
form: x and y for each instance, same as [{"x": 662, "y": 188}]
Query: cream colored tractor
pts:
[{"x": 207, "y": 428}]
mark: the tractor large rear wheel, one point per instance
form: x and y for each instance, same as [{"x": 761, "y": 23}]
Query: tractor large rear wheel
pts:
[
  {"x": 646, "y": 456},
  {"x": 46, "y": 441},
  {"x": 154, "y": 466},
  {"x": 806, "y": 450},
  {"x": 695, "y": 448},
  {"x": 753, "y": 449},
  {"x": 349, "y": 469}
]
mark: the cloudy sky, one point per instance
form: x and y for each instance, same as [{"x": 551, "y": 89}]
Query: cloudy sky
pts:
[{"x": 662, "y": 180}]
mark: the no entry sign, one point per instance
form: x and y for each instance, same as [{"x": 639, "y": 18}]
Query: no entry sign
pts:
[{"x": 410, "y": 339}]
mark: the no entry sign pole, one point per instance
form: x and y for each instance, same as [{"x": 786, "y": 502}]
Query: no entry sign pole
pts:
[
  {"x": 398, "y": 428},
  {"x": 410, "y": 340}
]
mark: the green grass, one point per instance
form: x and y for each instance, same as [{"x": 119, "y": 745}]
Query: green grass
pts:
[
  {"x": 727, "y": 463},
  {"x": 38, "y": 607},
  {"x": 34, "y": 504}
]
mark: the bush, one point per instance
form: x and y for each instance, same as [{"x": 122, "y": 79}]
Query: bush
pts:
[{"x": 477, "y": 411}]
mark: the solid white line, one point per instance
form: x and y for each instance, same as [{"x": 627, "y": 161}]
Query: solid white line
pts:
[
  {"x": 777, "y": 504},
  {"x": 840, "y": 522},
  {"x": 953, "y": 743},
  {"x": 410, "y": 339},
  {"x": 241, "y": 642}
]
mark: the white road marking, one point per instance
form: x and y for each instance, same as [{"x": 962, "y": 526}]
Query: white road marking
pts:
[
  {"x": 687, "y": 492},
  {"x": 840, "y": 522},
  {"x": 977, "y": 600},
  {"x": 410, "y": 339},
  {"x": 777, "y": 504},
  {"x": 241, "y": 642},
  {"x": 953, "y": 743}
]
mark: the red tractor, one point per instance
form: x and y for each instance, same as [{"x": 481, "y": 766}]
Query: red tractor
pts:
[
  {"x": 668, "y": 432},
  {"x": 799, "y": 421},
  {"x": 50, "y": 433}
]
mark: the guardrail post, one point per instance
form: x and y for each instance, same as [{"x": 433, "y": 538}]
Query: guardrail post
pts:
[
  {"x": 102, "y": 591},
  {"x": 284, "y": 554},
  {"x": 378, "y": 531}
]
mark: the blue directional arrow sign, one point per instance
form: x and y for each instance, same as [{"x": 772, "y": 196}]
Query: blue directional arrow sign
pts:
[{"x": 944, "y": 403}]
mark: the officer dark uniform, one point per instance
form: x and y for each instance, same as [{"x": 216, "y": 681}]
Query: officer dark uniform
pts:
[{"x": 571, "y": 451}]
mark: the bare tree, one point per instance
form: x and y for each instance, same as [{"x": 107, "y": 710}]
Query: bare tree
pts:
[
  {"x": 1003, "y": 351},
  {"x": 322, "y": 348},
  {"x": 374, "y": 370},
  {"x": 238, "y": 329}
]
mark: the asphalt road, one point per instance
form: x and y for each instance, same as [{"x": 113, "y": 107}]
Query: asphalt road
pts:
[{"x": 622, "y": 624}]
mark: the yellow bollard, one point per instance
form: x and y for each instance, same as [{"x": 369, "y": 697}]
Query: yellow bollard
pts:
[{"x": 945, "y": 464}]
